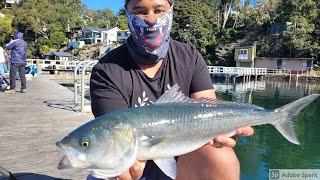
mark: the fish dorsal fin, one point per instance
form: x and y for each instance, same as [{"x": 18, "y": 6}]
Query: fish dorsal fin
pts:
[{"x": 174, "y": 95}]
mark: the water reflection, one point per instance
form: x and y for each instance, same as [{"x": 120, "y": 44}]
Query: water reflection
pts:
[{"x": 267, "y": 149}]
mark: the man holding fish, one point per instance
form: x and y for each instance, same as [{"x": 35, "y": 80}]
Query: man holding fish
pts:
[
  {"x": 146, "y": 66},
  {"x": 143, "y": 97}
]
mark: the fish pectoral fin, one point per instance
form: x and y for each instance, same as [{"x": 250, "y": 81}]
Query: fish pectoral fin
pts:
[
  {"x": 151, "y": 141},
  {"x": 168, "y": 166}
]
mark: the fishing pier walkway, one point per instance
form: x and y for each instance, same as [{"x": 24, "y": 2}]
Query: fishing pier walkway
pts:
[{"x": 31, "y": 123}]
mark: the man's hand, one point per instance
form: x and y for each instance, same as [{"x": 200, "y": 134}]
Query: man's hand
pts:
[
  {"x": 135, "y": 172},
  {"x": 226, "y": 141}
]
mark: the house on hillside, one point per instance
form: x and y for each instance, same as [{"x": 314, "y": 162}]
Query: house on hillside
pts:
[
  {"x": 93, "y": 35},
  {"x": 8, "y": 3},
  {"x": 296, "y": 65},
  {"x": 244, "y": 56},
  {"x": 60, "y": 56},
  {"x": 277, "y": 29}
]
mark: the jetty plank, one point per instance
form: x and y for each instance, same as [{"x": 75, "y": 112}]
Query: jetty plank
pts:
[{"x": 31, "y": 123}]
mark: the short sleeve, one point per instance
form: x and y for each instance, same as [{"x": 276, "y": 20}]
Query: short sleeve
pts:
[
  {"x": 201, "y": 78},
  {"x": 105, "y": 94}
]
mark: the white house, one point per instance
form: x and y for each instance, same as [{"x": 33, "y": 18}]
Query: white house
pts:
[
  {"x": 111, "y": 36},
  {"x": 108, "y": 37},
  {"x": 12, "y": 1},
  {"x": 92, "y": 35},
  {"x": 9, "y": 3}
]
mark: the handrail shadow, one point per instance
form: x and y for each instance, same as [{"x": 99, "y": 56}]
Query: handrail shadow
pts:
[{"x": 65, "y": 105}]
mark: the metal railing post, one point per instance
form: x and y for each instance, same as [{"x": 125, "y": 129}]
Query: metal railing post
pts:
[
  {"x": 75, "y": 80},
  {"x": 82, "y": 82}
]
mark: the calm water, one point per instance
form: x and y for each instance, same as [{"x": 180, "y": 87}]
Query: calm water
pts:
[{"x": 267, "y": 149}]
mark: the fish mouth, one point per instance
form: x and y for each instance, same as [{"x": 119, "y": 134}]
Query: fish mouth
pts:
[
  {"x": 64, "y": 163},
  {"x": 72, "y": 157}
]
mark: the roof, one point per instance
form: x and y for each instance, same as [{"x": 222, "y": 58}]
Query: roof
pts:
[
  {"x": 243, "y": 47},
  {"x": 272, "y": 58},
  {"x": 89, "y": 28},
  {"x": 62, "y": 54}
]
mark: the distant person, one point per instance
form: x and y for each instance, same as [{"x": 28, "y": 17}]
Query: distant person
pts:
[
  {"x": 18, "y": 62},
  {"x": 3, "y": 66}
]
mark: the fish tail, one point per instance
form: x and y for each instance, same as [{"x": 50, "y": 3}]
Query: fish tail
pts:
[{"x": 285, "y": 126}]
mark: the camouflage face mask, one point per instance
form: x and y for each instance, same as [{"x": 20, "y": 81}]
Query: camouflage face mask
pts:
[{"x": 151, "y": 43}]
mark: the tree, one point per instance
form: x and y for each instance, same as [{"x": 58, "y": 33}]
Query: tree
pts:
[
  {"x": 122, "y": 22},
  {"x": 5, "y": 28},
  {"x": 41, "y": 19},
  {"x": 100, "y": 18},
  {"x": 225, "y": 7},
  {"x": 57, "y": 39},
  {"x": 298, "y": 37},
  {"x": 193, "y": 23}
]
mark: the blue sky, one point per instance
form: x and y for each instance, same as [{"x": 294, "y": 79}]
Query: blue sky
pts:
[{"x": 115, "y": 5}]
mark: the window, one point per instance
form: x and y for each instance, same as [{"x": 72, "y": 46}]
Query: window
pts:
[
  {"x": 87, "y": 34},
  {"x": 309, "y": 63},
  {"x": 243, "y": 54},
  {"x": 279, "y": 63}
]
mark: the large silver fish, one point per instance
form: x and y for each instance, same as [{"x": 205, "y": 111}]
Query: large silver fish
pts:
[{"x": 174, "y": 125}]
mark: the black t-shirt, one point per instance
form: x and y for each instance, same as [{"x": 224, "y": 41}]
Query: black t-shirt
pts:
[{"x": 117, "y": 82}]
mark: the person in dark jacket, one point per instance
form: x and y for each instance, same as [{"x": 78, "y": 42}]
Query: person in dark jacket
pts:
[{"x": 18, "y": 49}]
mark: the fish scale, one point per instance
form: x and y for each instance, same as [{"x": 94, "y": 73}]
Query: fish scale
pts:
[{"x": 191, "y": 122}]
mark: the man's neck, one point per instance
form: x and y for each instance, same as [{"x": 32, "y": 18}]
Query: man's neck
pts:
[{"x": 151, "y": 69}]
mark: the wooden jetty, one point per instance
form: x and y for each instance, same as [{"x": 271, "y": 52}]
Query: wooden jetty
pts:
[{"x": 31, "y": 123}]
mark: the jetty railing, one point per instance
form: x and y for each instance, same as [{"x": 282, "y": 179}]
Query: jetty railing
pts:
[
  {"x": 237, "y": 71},
  {"x": 279, "y": 71},
  {"x": 77, "y": 81},
  {"x": 83, "y": 69},
  {"x": 51, "y": 65}
]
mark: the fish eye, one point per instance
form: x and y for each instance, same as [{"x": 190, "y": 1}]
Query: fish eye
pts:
[{"x": 85, "y": 144}]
